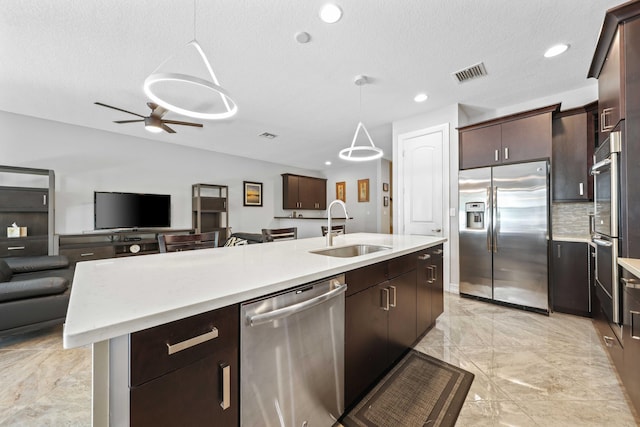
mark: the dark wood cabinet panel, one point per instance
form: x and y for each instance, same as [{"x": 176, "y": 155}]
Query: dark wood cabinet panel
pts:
[
  {"x": 515, "y": 138},
  {"x": 573, "y": 146},
  {"x": 24, "y": 246},
  {"x": 631, "y": 339},
  {"x": 303, "y": 192},
  {"x": 365, "y": 341},
  {"x": 402, "y": 314},
  {"x": 570, "y": 266},
  {"x": 480, "y": 147},
  {"x": 429, "y": 292},
  {"x": 190, "y": 396},
  {"x": 365, "y": 277},
  {"x": 179, "y": 379},
  {"x": 24, "y": 199},
  {"x": 526, "y": 139},
  {"x": 210, "y": 210},
  {"x": 437, "y": 285},
  {"x": 611, "y": 101}
]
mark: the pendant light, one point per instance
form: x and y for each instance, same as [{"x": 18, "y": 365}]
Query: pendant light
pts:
[
  {"x": 161, "y": 85},
  {"x": 361, "y": 153}
]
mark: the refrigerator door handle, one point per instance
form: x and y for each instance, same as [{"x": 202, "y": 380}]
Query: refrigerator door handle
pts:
[
  {"x": 487, "y": 222},
  {"x": 496, "y": 219}
]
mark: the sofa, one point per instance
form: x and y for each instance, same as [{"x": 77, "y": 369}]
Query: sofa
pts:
[{"x": 34, "y": 292}]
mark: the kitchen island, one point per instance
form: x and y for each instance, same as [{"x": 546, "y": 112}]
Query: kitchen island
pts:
[{"x": 114, "y": 298}]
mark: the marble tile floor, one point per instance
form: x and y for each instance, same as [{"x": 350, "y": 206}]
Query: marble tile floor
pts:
[{"x": 531, "y": 370}]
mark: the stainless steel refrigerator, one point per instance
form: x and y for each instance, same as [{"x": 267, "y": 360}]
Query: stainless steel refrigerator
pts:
[{"x": 504, "y": 230}]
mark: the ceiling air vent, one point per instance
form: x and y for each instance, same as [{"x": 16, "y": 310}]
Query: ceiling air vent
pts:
[
  {"x": 469, "y": 73},
  {"x": 268, "y": 135}
]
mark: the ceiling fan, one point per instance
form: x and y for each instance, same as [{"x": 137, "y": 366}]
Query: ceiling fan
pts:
[{"x": 153, "y": 122}]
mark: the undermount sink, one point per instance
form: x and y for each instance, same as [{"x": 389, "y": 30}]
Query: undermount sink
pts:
[{"x": 350, "y": 251}]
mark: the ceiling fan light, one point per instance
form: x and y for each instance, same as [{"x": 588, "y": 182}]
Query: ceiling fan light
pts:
[{"x": 153, "y": 124}]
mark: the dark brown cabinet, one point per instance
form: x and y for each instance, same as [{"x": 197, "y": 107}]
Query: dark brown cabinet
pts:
[
  {"x": 186, "y": 372},
  {"x": 381, "y": 316},
  {"x": 574, "y": 140},
  {"x": 611, "y": 86},
  {"x": 570, "y": 266},
  {"x": 28, "y": 207},
  {"x": 429, "y": 292},
  {"x": 631, "y": 338},
  {"x": 511, "y": 139},
  {"x": 303, "y": 192}
]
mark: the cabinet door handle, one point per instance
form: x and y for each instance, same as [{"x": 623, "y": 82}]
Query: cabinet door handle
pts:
[
  {"x": 424, "y": 257},
  {"x": 44, "y": 200},
  {"x": 559, "y": 250},
  {"x": 87, "y": 254},
  {"x": 393, "y": 296},
  {"x": 608, "y": 341},
  {"x": 191, "y": 342},
  {"x": 506, "y": 153},
  {"x": 384, "y": 299},
  {"x": 430, "y": 275},
  {"x": 630, "y": 283},
  {"x": 225, "y": 376},
  {"x": 581, "y": 189},
  {"x": 497, "y": 155},
  {"x": 15, "y": 248},
  {"x": 604, "y": 125},
  {"x": 434, "y": 269}
]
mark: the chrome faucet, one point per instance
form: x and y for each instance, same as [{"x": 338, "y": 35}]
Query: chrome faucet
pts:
[{"x": 331, "y": 235}]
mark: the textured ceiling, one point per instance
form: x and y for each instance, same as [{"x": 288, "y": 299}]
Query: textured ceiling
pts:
[{"x": 58, "y": 57}]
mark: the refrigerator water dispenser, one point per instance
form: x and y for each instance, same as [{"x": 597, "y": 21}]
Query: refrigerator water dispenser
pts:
[{"x": 475, "y": 215}]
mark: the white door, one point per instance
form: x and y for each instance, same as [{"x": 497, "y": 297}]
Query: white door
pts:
[{"x": 421, "y": 176}]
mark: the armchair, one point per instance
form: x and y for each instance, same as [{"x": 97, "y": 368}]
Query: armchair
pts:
[{"x": 34, "y": 292}]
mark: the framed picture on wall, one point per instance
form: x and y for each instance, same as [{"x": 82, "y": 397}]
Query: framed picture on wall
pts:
[
  {"x": 385, "y": 200},
  {"x": 363, "y": 190},
  {"x": 252, "y": 193},
  {"x": 385, "y": 186},
  {"x": 341, "y": 191}
]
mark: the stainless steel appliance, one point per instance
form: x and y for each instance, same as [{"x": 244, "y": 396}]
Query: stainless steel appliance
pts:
[
  {"x": 606, "y": 214},
  {"x": 504, "y": 228},
  {"x": 292, "y": 357}
]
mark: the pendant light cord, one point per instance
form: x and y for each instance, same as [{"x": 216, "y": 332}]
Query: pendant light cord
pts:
[{"x": 194, "y": 19}]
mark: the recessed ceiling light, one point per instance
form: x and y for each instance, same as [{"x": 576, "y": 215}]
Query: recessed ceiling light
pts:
[
  {"x": 328, "y": 163},
  {"x": 421, "y": 97},
  {"x": 330, "y": 13},
  {"x": 556, "y": 50}
]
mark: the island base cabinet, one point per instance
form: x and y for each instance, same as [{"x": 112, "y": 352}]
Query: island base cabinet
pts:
[
  {"x": 365, "y": 341},
  {"x": 429, "y": 290},
  {"x": 190, "y": 396},
  {"x": 402, "y": 319}
]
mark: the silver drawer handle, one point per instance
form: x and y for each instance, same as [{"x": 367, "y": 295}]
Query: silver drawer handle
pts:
[
  {"x": 601, "y": 242},
  {"x": 438, "y": 251},
  {"x": 226, "y": 386},
  {"x": 87, "y": 254},
  {"x": 608, "y": 341},
  {"x": 394, "y": 296},
  {"x": 191, "y": 342},
  {"x": 424, "y": 257},
  {"x": 15, "y": 248},
  {"x": 630, "y": 283}
]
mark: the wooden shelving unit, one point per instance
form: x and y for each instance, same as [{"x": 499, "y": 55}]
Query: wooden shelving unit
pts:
[
  {"x": 210, "y": 209},
  {"x": 27, "y": 198}
]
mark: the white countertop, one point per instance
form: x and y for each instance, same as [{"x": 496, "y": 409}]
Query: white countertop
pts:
[
  {"x": 118, "y": 296},
  {"x": 632, "y": 265}
]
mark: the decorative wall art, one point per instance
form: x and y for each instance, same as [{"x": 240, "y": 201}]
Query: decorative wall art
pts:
[
  {"x": 252, "y": 193},
  {"x": 363, "y": 190},
  {"x": 341, "y": 191},
  {"x": 385, "y": 200},
  {"x": 385, "y": 187}
]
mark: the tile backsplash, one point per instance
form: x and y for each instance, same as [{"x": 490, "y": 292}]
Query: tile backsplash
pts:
[{"x": 571, "y": 219}]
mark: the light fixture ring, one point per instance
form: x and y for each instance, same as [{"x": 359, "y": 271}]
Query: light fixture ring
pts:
[
  {"x": 185, "y": 78},
  {"x": 347, "y": 153}
]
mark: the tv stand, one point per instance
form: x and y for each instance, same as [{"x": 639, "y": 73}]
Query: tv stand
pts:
[{"x": 111, "y": 244}]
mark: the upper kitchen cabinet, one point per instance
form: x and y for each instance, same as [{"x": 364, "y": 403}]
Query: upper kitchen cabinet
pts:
[
  {"x": 574, "y": 139},
  {"x": 303, "y": 192},
  {"x": 611, "y": 86},
  {"x": 510, "y": 139}
]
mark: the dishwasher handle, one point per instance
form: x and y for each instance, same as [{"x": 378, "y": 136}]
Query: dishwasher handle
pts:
[{"x": 280, "y": 313}]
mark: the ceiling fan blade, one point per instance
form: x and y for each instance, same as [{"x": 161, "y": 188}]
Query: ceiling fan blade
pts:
[
  {"x": 156, "y": 110},
  {"x": 119, "y": 109},
  {"x": 128, "y": 121},
  {"x": 167, "y": 129},
  {"x": 176, "y": 122}
]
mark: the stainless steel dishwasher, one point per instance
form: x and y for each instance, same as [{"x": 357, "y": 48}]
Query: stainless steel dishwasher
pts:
[{"x": 292, "y": 357}]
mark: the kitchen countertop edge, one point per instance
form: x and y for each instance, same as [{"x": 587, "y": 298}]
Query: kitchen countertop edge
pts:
[
  {"x": 632, "y": 265},
  {"x": 121, "y": 305}
]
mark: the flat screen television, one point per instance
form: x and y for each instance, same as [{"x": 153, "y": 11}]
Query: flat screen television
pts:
[{"x": 131, "y": 210}]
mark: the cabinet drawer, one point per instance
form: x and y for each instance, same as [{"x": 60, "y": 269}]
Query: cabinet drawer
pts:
[
  {"x": 88, "y": 253},
  {"x": 365, "y": 277},
  {"x": 188, "y": 340},
  {"x": 401, "y": 265},
  {"x": 24, "y": 247}
]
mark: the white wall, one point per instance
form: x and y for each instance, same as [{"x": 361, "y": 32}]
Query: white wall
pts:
[
  {"x": 87, "y": 160},
  {"x": 365, "y": 214},
  {"x": 384, "y": 218}
]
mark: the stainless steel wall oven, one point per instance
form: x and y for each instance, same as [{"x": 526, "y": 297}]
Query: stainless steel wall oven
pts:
[{"x": 606, "y": 214}]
